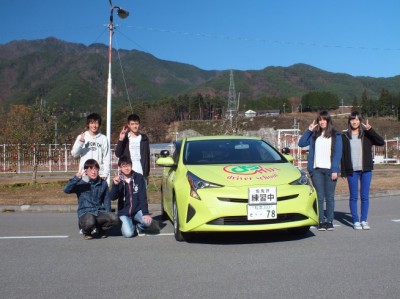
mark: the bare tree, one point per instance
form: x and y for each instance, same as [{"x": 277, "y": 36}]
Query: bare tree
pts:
[{"x": 29, "y": 127}]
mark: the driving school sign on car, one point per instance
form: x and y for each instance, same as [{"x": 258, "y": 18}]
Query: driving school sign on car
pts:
[{"x": 250, "y": 172}]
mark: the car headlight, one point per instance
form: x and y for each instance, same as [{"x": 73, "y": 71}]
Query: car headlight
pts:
[
  {"x": 303, "y": 180},
  {"x": 197, "y": 183}
]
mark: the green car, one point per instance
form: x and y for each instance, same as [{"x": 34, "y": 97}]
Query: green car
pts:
[{"x": 234, "y": 184}]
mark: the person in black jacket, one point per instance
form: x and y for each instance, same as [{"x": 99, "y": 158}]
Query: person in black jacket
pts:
[
  {"x": 130, "y": 189},
  {"x": 133, "y": 144},
  {"x": 357, "y": 164}
]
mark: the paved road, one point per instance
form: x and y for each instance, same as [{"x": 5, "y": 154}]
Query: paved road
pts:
[{"x": 339, "y": 264}]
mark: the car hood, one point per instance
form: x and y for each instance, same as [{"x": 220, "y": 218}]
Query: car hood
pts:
[{"x": 246, "y": 174}]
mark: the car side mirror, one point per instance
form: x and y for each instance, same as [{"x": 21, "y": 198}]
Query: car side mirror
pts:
[{"x": 164, "y": 153}]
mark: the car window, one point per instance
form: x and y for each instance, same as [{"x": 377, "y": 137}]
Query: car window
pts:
[
  {"x": 177, "y": 151},
  {"x": 230, "y": 151}
]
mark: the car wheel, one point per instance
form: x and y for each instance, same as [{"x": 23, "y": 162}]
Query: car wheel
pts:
[
  {"x": 163, "y": 213},
  {"x": 177, "y": 233},
  {"x": 299, "y": 230}
]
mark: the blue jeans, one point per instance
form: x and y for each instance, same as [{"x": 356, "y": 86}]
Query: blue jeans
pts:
[
  {"x": 128, "y": 228},
  {"x": 325, "y": 187},
  {"x": 365, "y": 183}
]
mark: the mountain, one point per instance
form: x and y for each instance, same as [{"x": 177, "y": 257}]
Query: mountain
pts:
[{"x": 74, "y": 77}]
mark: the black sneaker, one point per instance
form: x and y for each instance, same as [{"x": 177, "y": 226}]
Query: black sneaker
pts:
[
  {"x": 321, "y": 226},
  {"x": 329, "y": 226},
  {"x": 102, "y": 234}
]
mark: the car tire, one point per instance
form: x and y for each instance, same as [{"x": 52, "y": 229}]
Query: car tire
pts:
[
  {"x": 175, "y": 221},
  {"x": 298, "y": 231}
]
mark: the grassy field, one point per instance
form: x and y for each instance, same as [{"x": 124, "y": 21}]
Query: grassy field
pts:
[{"x": 16, "y": 190}]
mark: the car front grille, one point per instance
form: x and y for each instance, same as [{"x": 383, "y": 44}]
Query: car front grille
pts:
[
  {"x": 245, "y": 200},
  {"x": 242, "y": 220}
]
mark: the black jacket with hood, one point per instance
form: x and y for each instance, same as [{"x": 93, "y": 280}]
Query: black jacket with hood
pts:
[
  {"x": 132, "y": 196},
  {"x": 368, "y": 139},
  {"x": 122, "y": 149}
]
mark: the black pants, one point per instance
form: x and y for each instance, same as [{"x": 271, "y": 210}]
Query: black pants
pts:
[{"x": 103, "y": 221}]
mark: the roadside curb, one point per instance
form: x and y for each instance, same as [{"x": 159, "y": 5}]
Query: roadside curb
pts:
[{"x": 152, "y": 207}]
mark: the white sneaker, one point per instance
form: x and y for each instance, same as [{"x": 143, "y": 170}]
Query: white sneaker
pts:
[
  {"x": 139, "y": 232},
  {"x": 357, "y": 225},
  {"x": 365, "y": 225}
]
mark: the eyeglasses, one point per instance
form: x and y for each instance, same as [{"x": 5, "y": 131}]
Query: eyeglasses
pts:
[
  {"x": 125, "y": 165},
  {"x": 92, "y": 169}
]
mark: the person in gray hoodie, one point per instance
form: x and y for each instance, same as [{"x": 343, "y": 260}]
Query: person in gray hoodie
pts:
[{"x": 91, "y": 144}]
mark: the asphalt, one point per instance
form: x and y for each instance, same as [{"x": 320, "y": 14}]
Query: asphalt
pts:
[{"x": 152, "y": 207}]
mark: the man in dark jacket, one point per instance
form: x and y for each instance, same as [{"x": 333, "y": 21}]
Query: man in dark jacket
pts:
[
  {"x": 129, "y": 188},
  {"x": 94, "y": 205},
  {"x": 133, "y": 144}
]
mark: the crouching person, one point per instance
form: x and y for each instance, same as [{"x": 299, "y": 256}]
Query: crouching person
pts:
[
  {"x": 129, "y": 188},
  {"x": 94, "y": 204}
]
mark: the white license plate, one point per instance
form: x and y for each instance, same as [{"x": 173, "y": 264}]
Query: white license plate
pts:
[
  {"x": 259, "y": 212},
  {"x": 262, "y": 196},
  {"x": 262, "y": 203}
]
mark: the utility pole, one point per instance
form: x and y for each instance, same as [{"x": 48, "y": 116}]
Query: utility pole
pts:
[
  {"x": 342, "y": 105},
  {"x": 122, "y": 14}
]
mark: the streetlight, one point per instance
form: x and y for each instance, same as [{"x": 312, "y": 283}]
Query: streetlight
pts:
[{"x": 122, "y": 14}]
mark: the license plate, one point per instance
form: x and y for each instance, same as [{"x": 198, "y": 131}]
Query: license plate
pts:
[
  {"x": 262, "y": 203},
  {"x": 258, "y": 212}
]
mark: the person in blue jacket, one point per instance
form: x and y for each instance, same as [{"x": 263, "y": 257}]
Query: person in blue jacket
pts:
[
  {"x": 129, "y": 188},
  {"x": 323, "y": 165},
  {"x": 94, "y": 204}
]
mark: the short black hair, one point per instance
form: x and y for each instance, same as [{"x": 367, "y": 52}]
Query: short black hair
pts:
[
  {"x": 133, "y": 117},
  {"x": 93, "y": 117},
  {"x": 124, "y": 159},
  {"x": 91, "y": 163}
]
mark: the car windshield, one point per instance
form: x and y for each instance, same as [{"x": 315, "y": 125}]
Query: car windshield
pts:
[{"x": 222, "y": 151}]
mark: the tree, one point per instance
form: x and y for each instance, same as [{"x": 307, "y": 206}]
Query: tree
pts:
[
  {"x": 28, "y": 127},
  {"x": 316, "y": 100},
  {"x": 365, "y": 104},
  {"x": 354, "y": 104},
  {"x": 385, "y": 102}
]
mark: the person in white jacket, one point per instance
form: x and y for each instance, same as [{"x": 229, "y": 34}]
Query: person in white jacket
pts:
[{"x": 91, "y": 144}]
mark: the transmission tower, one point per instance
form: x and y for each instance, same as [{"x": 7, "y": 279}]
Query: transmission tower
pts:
[{"x": 232, "y": 105}]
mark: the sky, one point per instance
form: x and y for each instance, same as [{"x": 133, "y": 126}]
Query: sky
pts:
[{"x": 356, "y": 37}]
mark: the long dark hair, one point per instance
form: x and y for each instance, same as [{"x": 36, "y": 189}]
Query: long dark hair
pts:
[
  {"x": 330, "y": 130},
  {"x": 354, "y": 115}
]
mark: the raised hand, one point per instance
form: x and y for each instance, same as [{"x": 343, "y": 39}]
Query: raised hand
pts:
[
  {"x": 313, "y": 126},
  {"x": 367, "y": 126},
  {"x": 116, "y": 179},
  {"x": 81, "y": 173},
  {"x": 82, "y": 137},
  {"x": 123, "y": 133}
]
